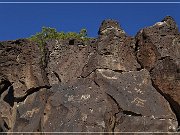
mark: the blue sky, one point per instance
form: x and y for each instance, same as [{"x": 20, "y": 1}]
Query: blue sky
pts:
[{"x": 24, "y": 20}]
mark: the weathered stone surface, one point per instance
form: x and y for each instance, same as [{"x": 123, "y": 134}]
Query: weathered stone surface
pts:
[
  {"x": 167, "y": 80},
  {"x": 113, "y": 51},
  {"x": 71, "y": 109},
  {"x": 6, "y": 110},
  {"x": 108, "y": 104},
  {"x": 66, "y": 62},
  {"x": 110, "y": 26},
  {"x": 137, "y": 97},
  {"x": 20, "y": 62},
  {"x": 21, "y": 75},
  {"x": 132, "y": 91},
  {"x": 159, "y": 51},
  {"x": 158, "y": 41},
  {"x": 144, "y": 124},
  {"x": 113, "y": 83},
  {"x": 29, "y": 113},
  {"x": 3, "y": 128}
]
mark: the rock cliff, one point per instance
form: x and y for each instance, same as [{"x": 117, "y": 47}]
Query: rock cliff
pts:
[{"x": 112, "y": 83}]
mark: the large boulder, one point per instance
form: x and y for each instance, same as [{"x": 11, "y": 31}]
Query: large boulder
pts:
[
  {"x": 140, "y": 102},
  {"x": 75, "y": 108},
  {"x": 158, "y": 50},
  {"x": 107, "y": 101}
]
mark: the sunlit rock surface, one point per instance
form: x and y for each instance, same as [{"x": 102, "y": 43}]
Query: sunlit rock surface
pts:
[{"x": 112, "y": 83}]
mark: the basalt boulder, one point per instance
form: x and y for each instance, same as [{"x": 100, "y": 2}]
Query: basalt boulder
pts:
[
  {"x": 158, "y": 50},
  {"x": 115, "y": 50}
]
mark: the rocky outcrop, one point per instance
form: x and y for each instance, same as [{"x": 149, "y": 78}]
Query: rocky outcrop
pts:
[
  {"x": 158, "y": 51},
  {"x": 113, "y": 83},
  {"x": 22, "y": 82},
  {"x": 114, "y": 50}
]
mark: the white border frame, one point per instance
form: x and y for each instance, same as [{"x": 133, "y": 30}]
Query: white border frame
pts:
[
  {"x": 123, "y": 2},
  {"x": 30, "y": 2}
]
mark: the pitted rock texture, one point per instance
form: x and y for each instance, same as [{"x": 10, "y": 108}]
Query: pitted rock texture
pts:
[
  {"x": 158, "y": 50},
  {"x": 114, "y": 52},
  {"x": 112, "y": 83}
]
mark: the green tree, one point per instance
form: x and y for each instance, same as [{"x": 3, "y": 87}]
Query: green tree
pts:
[
  {"x": 83, "y": 33},
  {"x": 48, "y": 33}
]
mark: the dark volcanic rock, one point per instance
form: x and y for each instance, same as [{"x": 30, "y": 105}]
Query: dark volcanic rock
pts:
[
  {"x": 114, "y": 50},
  {"x": 75, "y": 108},
  {"x": 134, "y": 92},
  {"x": 159, "y": 52},
  {"x": 111, "y": 27},
  {"x": 108, "y": 104},
  {"x": 138, "y": 99},
  {"x": 20, "y": 62},
  {"x": 21, "y": 75},
  {"x": 29, "y": 112},
  {"x": 167, "y": 81},
  {"x": 158, "y": 41},
  {"x": 113, "y": 83},
  {"x": 144, "y": 124},
  {"x": 66, "y": 62}
]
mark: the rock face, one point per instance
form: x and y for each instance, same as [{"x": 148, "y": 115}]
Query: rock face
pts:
[
  {"x": 113, "y": 83},
  {"x": 114, "y": 50},
  {"x": 159, "y": 52}
]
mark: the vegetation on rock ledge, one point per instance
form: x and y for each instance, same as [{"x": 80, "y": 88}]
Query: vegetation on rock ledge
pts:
[{"x": 48, "y": 33}]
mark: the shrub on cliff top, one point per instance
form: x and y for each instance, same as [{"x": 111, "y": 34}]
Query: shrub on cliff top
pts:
[
  {"x": 51, "y": 33},
  {"x": 48, "y": 33}
]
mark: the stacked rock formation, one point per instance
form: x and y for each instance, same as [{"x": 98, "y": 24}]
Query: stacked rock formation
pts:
[{"x": 113, "y": 83}]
